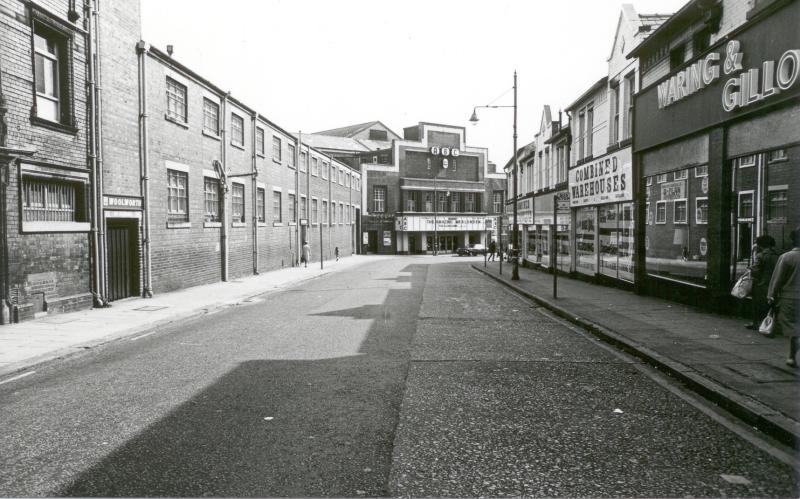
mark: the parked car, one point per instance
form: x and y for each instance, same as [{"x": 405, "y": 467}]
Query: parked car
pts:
[{"x": 472, "y": 250}]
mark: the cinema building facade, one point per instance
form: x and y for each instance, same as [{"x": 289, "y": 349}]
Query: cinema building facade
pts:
[{"x": 717, "y": 141}]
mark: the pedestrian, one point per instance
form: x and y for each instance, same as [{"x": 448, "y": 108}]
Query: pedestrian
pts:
[
  {"x": 306, "y": 253},
  {"x": 784, "y": 294},
  {"x": 761, "y": 271},
  {"x": 336, "y": 253},
  {"x": 492, "y": 250}
]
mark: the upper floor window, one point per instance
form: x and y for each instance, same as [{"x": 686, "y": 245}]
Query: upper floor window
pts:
[
  {"x": 379, "y": 199},
  {"x": 469, "y": 201},
  {"x": 276, "y": 148},
  {"x": 303, "y": 161},
  {"x": 237, "y": 203},
  {"x": 210, "y": 116},
  {"x": 497, "y": 201},
  {"x": 589, "y": 130},
  {"x": 260, "y": 141},
  {"x": 677, "y": 56},
  {"x": 237, "y": 130},
  {"x": 176, "y": 100},
  {"x": 325, "y": 167},
  {"x": 613, "y": 135},
  {"x": 177, "y": 196},
  {"x": 50, "y": 74},
  {"x": 627, "y": 105},
  {"x": 315, "y": 167}
]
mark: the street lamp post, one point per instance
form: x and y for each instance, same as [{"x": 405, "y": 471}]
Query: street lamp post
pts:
[{"x": 514, "y": 242}]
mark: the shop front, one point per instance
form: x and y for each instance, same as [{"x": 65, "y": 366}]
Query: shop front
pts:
[
  {"x": 601, "y": 198},
  {"x": 719, "y": 160},
  {"x": 549, "y": 209},
  {"x": 420, "y": 233}
]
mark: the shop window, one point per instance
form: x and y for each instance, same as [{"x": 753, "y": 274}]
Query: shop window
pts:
[
  {"x": 746, "y": 161},
  {"x": 661, "y": 178},
  {"x": 210, "y": 117},
  {"x": 679, "y": 215},
  {"x": 701, "y": 210},
  {"x": 745, "y": 205},
  {"x": 776, "y": 205},
  {"x": 177, "y": 196},
  {"x": 276, "y": 206},
  {"x": 701, "y": 171},
  {"x": 661, "y": 212},
  {"x": 261, "y": 201},
  {"x": 237, "y": 203},
  {"x": 379, "y": 199},
  {"x": 211, "y": 199},
  {"x": 776, "y": 156},
  {"x": 681, "y": 175},
  {"x": 585, "y": 232},
  {"x": 176, "y": 100}
]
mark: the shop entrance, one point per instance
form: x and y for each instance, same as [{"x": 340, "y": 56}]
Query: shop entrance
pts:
[
  {"x": 123, "y": 258},
  {"x": 412, "y": 243}
]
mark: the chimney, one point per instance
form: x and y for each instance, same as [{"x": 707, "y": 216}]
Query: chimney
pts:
[{"x": 170, "y": 50}]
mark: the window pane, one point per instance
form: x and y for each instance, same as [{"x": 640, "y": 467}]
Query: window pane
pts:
[{"x": 276, "y": 206}]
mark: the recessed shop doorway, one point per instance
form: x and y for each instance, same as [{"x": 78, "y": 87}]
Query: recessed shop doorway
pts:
[{"x": 123, "y": 258}]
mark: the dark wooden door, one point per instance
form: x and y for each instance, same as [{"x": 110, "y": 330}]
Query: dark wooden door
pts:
[{"x": 123, "y": 259}]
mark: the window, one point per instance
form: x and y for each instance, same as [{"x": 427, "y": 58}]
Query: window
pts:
[
  {"x": 379, "y": 199},
  {"x": 277, "y": 149},
  {"x": 325, "y": 167},
  {"x": 292, "y": 208},
  {"x": 49, "y": 68},
  {"x": 746, "y": 161},
  {"x": 237, "y": 200},
  {"x": 314, "y": 211},
  {"x": 581, "y": 133},
  {"x": 276, "y": 207},
  {"x": 341, "y": 213},
  {"x": 469, "y": 201},
  {"x": 324, "y": 212},
  {"x": 661, "y": 212},
  {"x": 315, "y": 167},
  {"x": 776, "y": 205},
  {"x": 661, "y": 178},
  {"x": 292, "y": 153},
  {"x": 428, "y": 201},
  {"x": 441, "y": 204},
  {"x": 590, "y": 131},
  {"x": 237, "y": 130},
  {"x": 497, "y": 201},
  {"x": 333, "y": 212},
  {"x": 648, "y": 214},
  {"x": 701, "y": 171},
  {"x": 681, "y": 174},
  {"x": 677, "y": 56},
  {"x": 701, "y": 210},
  {"x": 261, "y": 201},
  {"x": 341, "y": 176},
  {"x": 700, "y": 42},
  {"x": 627, "y": 105},
  {"x": 210, "y": 117},
  {"x": 211, "y": 199},
  {"x": 455, "y": 202},
  {"x": 333, "y": 173},
  {"x": 776, "y": 155},
  {"x": 614, "y": 132},
  {"x": 411, "y": 200},
  {"x": 260, "y": 142},
  {"x": 679, "y": 215},
  {"x": 45, "y": 200},
  {"x": 746, "y": 205},
  {"x": 303, "y": 161},
  {"x": 303, "y": 207},
  {"x": 347, "y": 179},
  {"x": 176, "y": 100},
  {"x": 649, "y": 180},
  {"x": 177, "y": 196}
]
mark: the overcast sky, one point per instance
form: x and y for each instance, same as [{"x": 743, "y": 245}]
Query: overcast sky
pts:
[{"x": 312, "y": 65}]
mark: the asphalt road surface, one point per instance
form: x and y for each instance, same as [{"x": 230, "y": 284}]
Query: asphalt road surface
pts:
[{"x": 409, "y": 376}]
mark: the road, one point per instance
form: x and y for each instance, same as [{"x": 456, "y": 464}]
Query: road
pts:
[{"x": 409, "y": 376}]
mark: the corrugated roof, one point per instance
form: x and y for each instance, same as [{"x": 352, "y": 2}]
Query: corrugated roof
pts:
[
  {"x": 334, "y": 143},
  {"x": 347, "y": 131}
]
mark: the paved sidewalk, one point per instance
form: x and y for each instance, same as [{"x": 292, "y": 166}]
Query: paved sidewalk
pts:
[
  {"x": 28, "y": 343},
  {"x": 713, "y": 354}
]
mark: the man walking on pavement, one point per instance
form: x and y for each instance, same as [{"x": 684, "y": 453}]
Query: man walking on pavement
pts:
[
  {"x": 492, "y": 250},
  {"x": 306, "y": 253}
]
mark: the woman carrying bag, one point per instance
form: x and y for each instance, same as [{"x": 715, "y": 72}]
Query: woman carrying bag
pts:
[
  {"x": 761, "y": 271},
  {"x": 784, "y": 294}
]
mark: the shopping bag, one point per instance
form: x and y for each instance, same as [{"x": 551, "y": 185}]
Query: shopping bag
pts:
[
  {"x": 767, "y": 327},
  {"x": 743, "y": 286}
]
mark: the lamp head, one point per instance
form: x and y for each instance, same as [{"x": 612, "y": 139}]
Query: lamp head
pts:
[{"x": 474, "y": 118}]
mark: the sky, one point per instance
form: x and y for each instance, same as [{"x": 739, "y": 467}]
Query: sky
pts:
[{"x": 312, "y": 65}]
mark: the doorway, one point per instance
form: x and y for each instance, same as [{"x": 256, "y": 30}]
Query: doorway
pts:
[{"x": 123, "y": 258}]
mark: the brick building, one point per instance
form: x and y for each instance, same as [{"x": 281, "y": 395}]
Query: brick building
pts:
[
  {"x": 197, "y": 185},
  {"x": 48, "y": 196},
  {"x": 717, "y": 139}
]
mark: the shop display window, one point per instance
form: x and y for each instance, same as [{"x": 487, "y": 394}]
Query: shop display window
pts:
[
  {"x": 585, "y": 233},
  {"x": 676, "y": 245},
  {"x": 616, "y": 240}
]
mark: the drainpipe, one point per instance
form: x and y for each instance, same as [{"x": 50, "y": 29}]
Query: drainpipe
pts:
[
  {"x": 298, "y": 155},
  {"x": 93, "y": 56},
  {"x": 5, "y": 309},
  {"x": 144, "y": 166},
  {"x": 255, "y": 196},
  {"x": 223, "y": 167}
]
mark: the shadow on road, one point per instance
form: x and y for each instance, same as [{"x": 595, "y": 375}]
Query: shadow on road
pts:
[{"x": 279, "y": 427}]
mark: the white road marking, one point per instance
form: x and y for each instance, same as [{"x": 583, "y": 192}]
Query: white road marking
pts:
[
  {"x": 19, "y": 376},
  {"x": 142, "y": 335}
]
